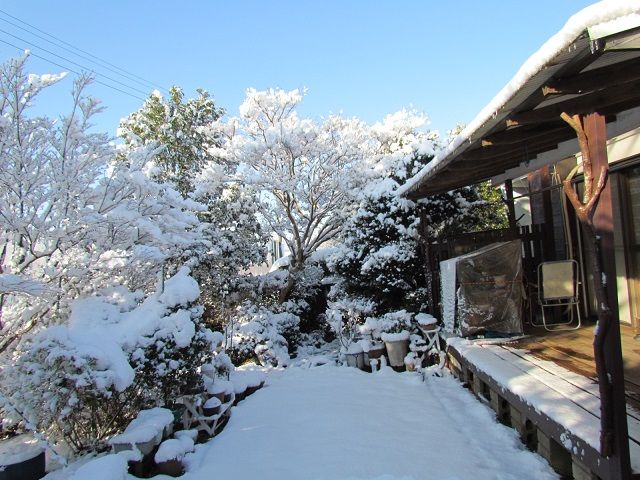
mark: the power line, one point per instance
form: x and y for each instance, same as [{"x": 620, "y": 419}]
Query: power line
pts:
[
  {"x": 83, "y": 53},
  {"x": 74, "y": 63},
  {"x": 72, "y": 70}
]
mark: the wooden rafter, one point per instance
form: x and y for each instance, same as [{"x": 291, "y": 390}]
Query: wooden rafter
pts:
[
  {"x": 596, "y": 79},
  {"x": 526, "y": 133},
  {"x": 627, "y": 93}
]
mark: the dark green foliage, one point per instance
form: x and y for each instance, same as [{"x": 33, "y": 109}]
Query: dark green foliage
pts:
[{"x": 176, "y": 126}]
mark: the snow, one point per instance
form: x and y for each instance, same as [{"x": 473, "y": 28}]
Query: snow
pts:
[
  {"x": 340, "y": 423},
  {"x": 213, "y": 402},
  {"x": 19, "y": 449},
  {"x": 10, "y": 283},
  {"x": 591, "y": 18},
  {"x": 148, "y": 425},
  {"x": 180, "y": 289},
  {"x": 220, "y": 386},
  {"x": 394, "y": 337},
  {"x": 354, "y": 349},
  {"x": 107, "y": 467},
  {"x": 425, "y": 319},
  {"x": 174, "y": 448}
]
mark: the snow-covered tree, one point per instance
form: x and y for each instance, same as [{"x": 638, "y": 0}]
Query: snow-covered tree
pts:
[
  {"x": 231, "y": 234},
  {"x": 379, "y": 261},
  {"x": 175, "y": 126},
  {"x": 74, "y": 218},
  {"x": 303, "y": 169}
]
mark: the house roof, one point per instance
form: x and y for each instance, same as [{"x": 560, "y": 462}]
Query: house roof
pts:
[{"x": 592, "y": 64}]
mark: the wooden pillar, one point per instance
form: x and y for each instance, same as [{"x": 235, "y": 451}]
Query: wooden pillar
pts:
[
  {"x": 541, "y": 210},
  {"x": 511, "y": 209},
  {"x": 595, "y": 129}
]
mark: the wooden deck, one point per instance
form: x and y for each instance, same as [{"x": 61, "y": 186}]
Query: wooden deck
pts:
[
  {"x": 573, "y": 350},
  {"x": 555, "y": 411}
]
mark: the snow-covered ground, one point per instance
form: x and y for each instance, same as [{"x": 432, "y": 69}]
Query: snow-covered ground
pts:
[{"x": 340, "y": 423}]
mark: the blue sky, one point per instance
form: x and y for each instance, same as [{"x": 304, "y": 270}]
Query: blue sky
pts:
[{"x": 363, "y": 58}]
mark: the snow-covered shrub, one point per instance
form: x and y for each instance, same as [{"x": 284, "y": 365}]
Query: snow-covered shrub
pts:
[
  {"x": 346, "y": 315},
  {"x": 262, "y": 334},
  {"x": 119, "y": 352},
  {"x": 391, "y": 322}
]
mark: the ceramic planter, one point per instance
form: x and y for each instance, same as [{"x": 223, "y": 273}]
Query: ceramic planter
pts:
[
  {"x": 355, "y": 360},
  {"x": 397, "y": 348}
]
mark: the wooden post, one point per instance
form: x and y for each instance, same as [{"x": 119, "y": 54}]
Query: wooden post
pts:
[
  {"x": 596, "y": 132},
  {"x": 596, "y": 214},
  {"x": 541, "y": 210},
  {"x": 511, "y": 210}
]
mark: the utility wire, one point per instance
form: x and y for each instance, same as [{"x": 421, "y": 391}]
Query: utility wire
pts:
[
  {"x": 75, "y": 63},
  {"x": 83, "y": 53},
  {"x": 72, "y": 70}
]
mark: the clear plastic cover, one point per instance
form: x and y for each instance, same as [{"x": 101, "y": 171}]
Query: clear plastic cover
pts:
[{"x": 489, "y": 292}]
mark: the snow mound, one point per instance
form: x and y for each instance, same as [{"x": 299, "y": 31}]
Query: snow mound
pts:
[{"x": 149, "y": 424}]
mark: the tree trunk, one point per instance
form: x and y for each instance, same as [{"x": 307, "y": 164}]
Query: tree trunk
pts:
[{"x": 288, "y": 288}]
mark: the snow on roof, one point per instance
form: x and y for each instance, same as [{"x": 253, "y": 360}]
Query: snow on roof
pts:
[{"x": 597, "y": 18}]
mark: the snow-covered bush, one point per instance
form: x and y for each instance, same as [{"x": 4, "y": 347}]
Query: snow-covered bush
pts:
[
  {"x": 346, "y": 315},
  {"x": 119, "y": 352},
  {"x": 391, "y": 322},
  {"x": 261, "y": 334}
]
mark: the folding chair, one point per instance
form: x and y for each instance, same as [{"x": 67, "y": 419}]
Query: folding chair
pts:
[{"x": 558, "y": 287}]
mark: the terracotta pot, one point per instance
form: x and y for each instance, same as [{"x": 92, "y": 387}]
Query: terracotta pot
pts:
[
  {"x": 211, "y": 407},
  {"x": 376, "y": 351}
]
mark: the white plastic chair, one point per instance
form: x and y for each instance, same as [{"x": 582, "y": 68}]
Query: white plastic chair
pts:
[{"x": 558, "y": 287}]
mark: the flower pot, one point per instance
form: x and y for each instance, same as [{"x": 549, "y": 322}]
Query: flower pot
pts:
[
  {"x": 426, "y": 322},
  {"x": 397, "y": 348},
  {"x": 222, "y": 389},
  {"x": 172, "y": 468},
  {"x": 355, "y": 360},
  {"x": 211, "y": 407},
  {"x": 21, "y": 459}
]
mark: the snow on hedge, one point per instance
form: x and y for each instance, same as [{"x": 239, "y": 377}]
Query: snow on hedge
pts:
[{"x": 112, "y": 342}]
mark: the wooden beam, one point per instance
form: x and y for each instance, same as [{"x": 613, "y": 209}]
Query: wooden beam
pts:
[
  {"x": 517, "y": 134},
  {"x": 596, "y": 79},
  {"x": 628, "y": 93},
  {"x": 521, "y": 152},
  {"x": 541, "y": 209}
]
